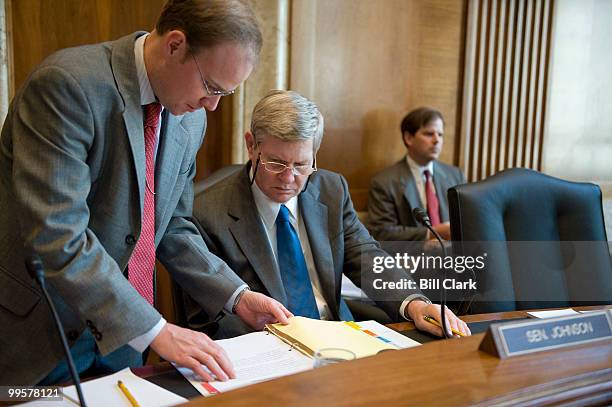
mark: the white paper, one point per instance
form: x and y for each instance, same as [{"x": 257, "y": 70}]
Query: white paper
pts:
[
  {"x": 256, "y": 357},
  {"x": 104, "y": 392},
  {"x": 595, "y": 310},
  {"x": 395, "y": 338},
  {"x": 554, "y": 313},
  {"x": 350, "y": 290}
]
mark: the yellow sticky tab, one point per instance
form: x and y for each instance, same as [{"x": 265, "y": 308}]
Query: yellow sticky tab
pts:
[{"x": 353, "y": 325}]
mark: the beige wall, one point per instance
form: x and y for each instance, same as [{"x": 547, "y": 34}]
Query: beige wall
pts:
[{"x": 366, "y": 64}]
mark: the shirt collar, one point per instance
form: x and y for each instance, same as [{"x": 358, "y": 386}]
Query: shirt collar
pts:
[
  {"x": 146, "y": 91},
  {"x": 414, "y": 167},
  {"x": 268, "y": 209}
]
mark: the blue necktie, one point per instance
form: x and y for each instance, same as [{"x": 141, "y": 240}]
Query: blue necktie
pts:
[{"x": 293, "y": 269}]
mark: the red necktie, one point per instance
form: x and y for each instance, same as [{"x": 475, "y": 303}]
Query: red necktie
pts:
[
  {"x": 433, "y": 206},
  {"x": 142, "y": 262}
]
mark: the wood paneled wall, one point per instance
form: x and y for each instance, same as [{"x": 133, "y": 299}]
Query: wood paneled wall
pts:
[
  {"x": 366, "y": 64},
  {"x": 41, "y": 27},
  {"x": 506, "y": 81}
]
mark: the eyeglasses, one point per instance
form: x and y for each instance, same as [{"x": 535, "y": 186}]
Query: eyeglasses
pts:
[
  {"x": 278, "y": 168},
  {"x": 210, "y": 90}
]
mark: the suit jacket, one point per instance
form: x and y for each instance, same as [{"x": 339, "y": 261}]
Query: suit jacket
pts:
[
  {"x": 72, "y": 180},
  {"x": 233, "y": 230},
  {"x": 393, "y": 195}
]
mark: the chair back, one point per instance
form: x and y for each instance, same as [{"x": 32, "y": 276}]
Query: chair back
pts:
[{"x": 544, "y": 239}]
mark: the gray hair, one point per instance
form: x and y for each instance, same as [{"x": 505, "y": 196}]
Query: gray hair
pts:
[{"x": 288, "y": 116}]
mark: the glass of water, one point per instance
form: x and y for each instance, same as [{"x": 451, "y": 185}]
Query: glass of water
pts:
[{"x": 330, "y": 356}]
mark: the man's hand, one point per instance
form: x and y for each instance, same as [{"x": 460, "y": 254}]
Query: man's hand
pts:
[
  {"x": 193, "y": 349},
  {"x": 443, "y": 230},
  {"x": 419, "y": 309},
  {"x": 257, "y": 310}
]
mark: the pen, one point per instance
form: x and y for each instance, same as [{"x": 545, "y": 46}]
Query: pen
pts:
[
  {"x": 127, "y": 393},
  {"x": 436, "y": 323}
]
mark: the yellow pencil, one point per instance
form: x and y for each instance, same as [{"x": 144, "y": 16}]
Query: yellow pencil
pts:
[
  {"x": 127, "y": 393},
  {"x": 436, "y": 323}
]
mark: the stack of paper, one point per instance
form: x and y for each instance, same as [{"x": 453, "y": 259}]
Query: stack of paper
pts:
[
  {"x": 104, "y": 392},
  {"x": 261, "y": 356},
  {"x": 256, "y": 357}
]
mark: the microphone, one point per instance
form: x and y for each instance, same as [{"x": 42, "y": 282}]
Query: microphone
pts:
[
  {"x": 37, "y": 271},
  {"x": 423, "y": 218}
]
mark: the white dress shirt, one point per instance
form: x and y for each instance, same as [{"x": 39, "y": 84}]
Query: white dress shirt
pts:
[
  {"x": 147, "y": 96},
  {"x": 268, "y": 211},
  {"x": 418, "y": 173}
]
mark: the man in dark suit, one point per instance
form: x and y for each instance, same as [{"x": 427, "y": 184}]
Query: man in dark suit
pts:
[
  {"x": 289, "y": 229},
  {"x": 417, "y": 180},
  {"x": 96, "y": 167}
]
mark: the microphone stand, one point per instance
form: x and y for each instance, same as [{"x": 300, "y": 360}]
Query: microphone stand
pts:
[
  {"x": 37, "y": 272},
  {"x": 422, "y": 217}
]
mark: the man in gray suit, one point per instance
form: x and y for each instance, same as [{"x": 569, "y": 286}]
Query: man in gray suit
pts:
[
  {"x": 418, "y": 180},
  {"x": 81, "y": 187},
  {"x": 289, "y": 229}
]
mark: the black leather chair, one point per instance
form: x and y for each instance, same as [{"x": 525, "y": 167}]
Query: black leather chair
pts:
[
  {"x": 544, "y": 237},
  {"x": 215, "y": 177}
]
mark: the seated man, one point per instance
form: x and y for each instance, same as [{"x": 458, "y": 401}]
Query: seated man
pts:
[
  {"x": 418, "y": 180},
  {"x": 289, "y": 229}
]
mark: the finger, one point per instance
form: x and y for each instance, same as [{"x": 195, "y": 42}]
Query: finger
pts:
[
  {"x": 447, "y": 324},
  {"x": 216, "y": 356},
  {"x": 210, "y": 362},
  {"x": 221, "y": 357},
  {"x": 427, "y": 327},
  {"x": 278, "y": 311},
  {"x": 457, "y": 324},
  {"x": 435, "y": 311},
  {"x": 224, "y": 362},
  {"x": 433, "y": 329},
  {"x": 288, "y": 313},
  {"x": 465, "y": 329},
  {"x": 437, "y": 315},
  {"x": 196, "y": 366},
  {"x": 453, "y": 322}
]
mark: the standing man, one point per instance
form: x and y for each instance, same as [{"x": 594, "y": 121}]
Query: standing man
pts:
[
  {"x": 289, "y": 229},
  {"x": 97, "y": 159},
  {"x": 417, "y": 180}
]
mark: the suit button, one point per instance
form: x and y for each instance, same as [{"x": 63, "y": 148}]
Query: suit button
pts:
[
  {"x": 73, "y": 335},
  {"x": 130, "y": 240},
  {"x": 89, "y": 323},
  {"x": 98, "y": 336}
]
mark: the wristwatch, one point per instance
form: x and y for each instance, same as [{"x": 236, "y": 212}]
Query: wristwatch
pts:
[
  {"x": 238, "y": 297},
  {"x": 415, "y": 297}
]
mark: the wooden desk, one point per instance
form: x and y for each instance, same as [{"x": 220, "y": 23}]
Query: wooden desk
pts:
[{"x": 442, "y": 373}]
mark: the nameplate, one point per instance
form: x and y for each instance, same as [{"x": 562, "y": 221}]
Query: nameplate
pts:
[{"x": 524, "y": 337}]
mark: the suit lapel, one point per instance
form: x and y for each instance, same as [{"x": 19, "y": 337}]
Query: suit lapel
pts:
[
  {"x": 315, "y": 217},
  {"x": 411, "y": 193},
  {"x": 124, "y": 70},
  {"x": 250, "y": 235},
  {"x": 173, "y": 139}
]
